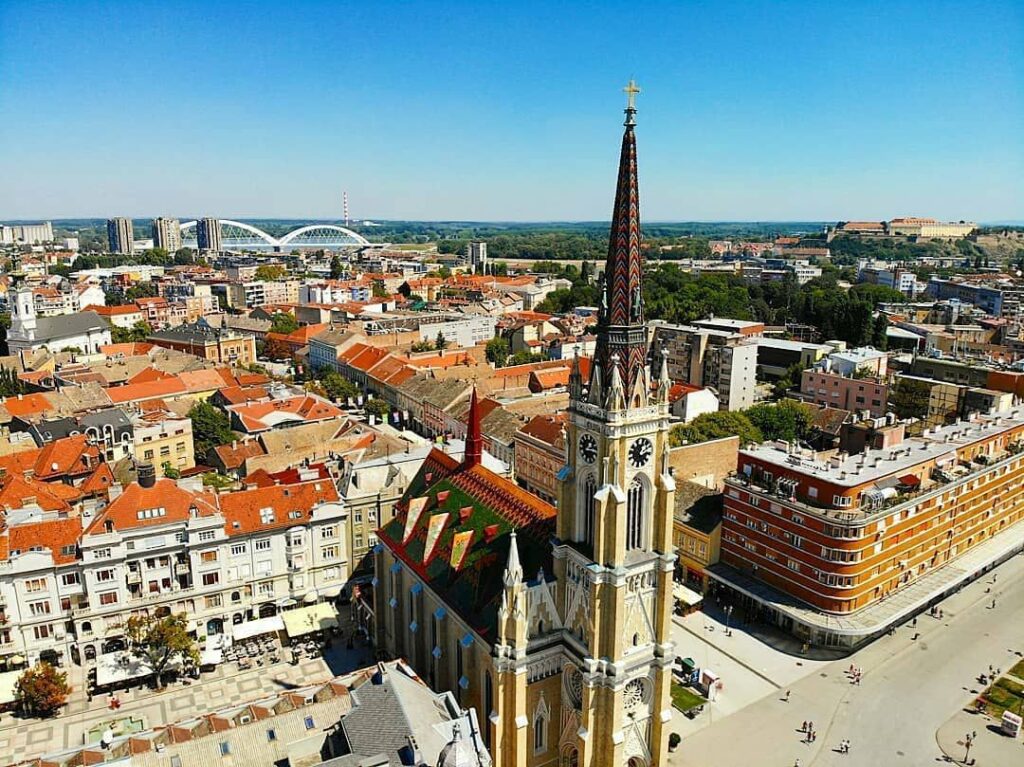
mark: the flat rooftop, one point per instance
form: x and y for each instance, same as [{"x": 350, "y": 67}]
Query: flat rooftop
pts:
[{"x": 873, "y": 465}]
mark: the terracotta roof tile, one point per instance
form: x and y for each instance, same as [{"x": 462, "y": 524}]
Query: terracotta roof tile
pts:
[
  {"x": 164, "y": 502},
  {"x": 59, "y": 536},
  {"x": 244, "y": 511}
]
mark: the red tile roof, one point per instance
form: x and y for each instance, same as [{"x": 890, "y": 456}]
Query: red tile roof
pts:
[
  {"x": 235, "y": 454},
  {"x": 290, "y": 504},
  {"x": 151, "y": 390},
  {"x": 27, "y": 404},
  {"x": 264, "y": 415},
  {"x": 160, "y": 504},
  {"x": 60, "y": 536}
]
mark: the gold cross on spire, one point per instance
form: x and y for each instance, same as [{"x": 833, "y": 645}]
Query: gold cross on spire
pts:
[{"x": 631, "y": 92}]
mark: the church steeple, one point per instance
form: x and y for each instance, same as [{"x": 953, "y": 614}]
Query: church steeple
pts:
[
  {"x": 474, "y": 440},
  {"x": 622, "y": 336}
]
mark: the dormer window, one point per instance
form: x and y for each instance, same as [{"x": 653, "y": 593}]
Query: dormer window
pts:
[{"x": 266, "y": 516}]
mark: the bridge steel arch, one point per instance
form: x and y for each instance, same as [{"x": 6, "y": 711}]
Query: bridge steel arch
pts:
[
  {"x": 360, "y": 240},
  {"x": 247, "y": 227}
]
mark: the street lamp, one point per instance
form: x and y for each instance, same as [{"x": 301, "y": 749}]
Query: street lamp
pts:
[{"x": 728, "y": 615}]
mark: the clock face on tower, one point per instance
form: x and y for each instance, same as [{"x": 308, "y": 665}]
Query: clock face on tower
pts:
[
  {"x": 588, "y": 448},
  {"x": 640, "y": 452}
]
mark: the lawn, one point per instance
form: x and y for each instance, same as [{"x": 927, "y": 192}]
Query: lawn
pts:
[
  {"x": 1004, "y": 695},
  {"x": 1018, "y": 670},
  {"x": 684, "y": 699}
]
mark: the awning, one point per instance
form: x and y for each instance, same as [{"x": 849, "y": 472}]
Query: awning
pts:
[
  {"x": 688, "y": 664},
  {"x": 286, "y": 602},
  {"x": 248, "y": 629},
  {"x": 123, "y": 666},
  {"x": 310, "y": 598},
  {"x": 331, "y": 591},
  {"x": 8, "y": 683},
  {"x": 305, "y": 620},
  {"x": 16, "y": 659},
  {"x": 685, "y": 595},
  {"x": 210, "y": 657}
]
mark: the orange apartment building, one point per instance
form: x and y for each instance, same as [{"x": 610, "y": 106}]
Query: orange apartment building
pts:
[{"x": 837, "y": 548}]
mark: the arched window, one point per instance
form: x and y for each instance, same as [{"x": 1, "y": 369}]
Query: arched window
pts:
[
  {"x": 588, "y": 505},
  {"x": 540, "y": 727},
  {"x": 488, "y": 707},
  {"x": 635, "y": 514}
]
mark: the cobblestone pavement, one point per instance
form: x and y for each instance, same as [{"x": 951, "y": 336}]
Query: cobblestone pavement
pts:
[{"x": 22, "y": 739}]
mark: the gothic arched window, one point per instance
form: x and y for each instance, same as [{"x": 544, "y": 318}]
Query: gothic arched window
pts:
[
  {"x": 635, "y": 514},
  {"x": 589, "y": 509}
]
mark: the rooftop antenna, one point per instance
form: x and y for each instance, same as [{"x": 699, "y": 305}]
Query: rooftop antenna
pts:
[{"x": 344, "y": 205}]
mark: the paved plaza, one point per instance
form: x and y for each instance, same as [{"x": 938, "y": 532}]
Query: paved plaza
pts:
[
  {"x": 905, "y": 711},
  {"x": 21, "y": 739}
]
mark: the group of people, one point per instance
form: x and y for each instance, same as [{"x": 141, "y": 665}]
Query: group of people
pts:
[
  {"x": 854, "y": 673},
  {"x": 810, "y": 734}
]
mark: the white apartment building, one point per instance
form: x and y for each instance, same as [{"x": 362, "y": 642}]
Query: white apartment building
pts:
[
  {"x": 703, "y": 356},
  {"x": 460, "y": 332},
  {"x": 249, "y": 295},
  {"x": 28, "y": 234},
  {"x": 69, "y": 583}
]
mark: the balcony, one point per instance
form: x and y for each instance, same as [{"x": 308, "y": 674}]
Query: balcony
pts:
[
  {"x": 182, "y": 568},
  {"x": 134, "y": 576}
]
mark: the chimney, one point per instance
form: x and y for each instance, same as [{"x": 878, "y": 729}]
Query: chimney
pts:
[{"x": 147, "y": 475}]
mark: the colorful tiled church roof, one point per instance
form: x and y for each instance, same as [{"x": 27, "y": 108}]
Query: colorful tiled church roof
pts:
[{"x": 452, "y": 529}]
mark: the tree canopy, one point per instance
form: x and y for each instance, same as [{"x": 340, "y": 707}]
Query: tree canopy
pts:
[
  {"x": 709, "y": 426},
  {"x": 42, "y": 689},
  {"x": 159, "y": 640},
  {"x": 210, "y": 427}
]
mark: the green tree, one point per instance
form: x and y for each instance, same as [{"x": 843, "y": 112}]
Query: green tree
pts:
[
  {"x": 160, "y": 640},
  {"x": 879, "y": 338},
  {"x": 42, "y": 689},
  {"x": 378, "y": 408},
  {"x": 210, "y": 427},
  {"x": 337, "y": 387},
  {"x": 440, "y": 343},
  {"x": 270, "y": 272},
  {"x": 708, "y": 426},
  {"x": 171, "y": 472},
  {"x": 138, "y": 332},
  {"x": 140, "y": 290},
  {"x": 788, "y": 419},
  {"x": 5, "y": 324},
  {"x": 10, "y": 384},
  {"x": 378, "y": 290},
  {"x": 337, "y": 269},
  {"x": 524, "y": 357},
  {"x": 284, "y": 323},
  {"x": 497, "y": 351}
]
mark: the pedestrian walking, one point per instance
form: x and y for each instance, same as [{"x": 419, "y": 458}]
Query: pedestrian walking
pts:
[
  {"x": 803, "y": 727},
  {"x": 993, "y": 604},
  {"x": 787, "y": 696}
]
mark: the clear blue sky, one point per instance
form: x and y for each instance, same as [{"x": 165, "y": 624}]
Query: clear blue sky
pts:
[{"x": 511, "y": 111}]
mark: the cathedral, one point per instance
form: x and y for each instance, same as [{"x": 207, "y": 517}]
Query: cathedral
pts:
[{"x": 552, "y": 625}]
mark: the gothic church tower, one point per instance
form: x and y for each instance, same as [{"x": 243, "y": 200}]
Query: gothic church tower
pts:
[{"x": 613, "y": 556}]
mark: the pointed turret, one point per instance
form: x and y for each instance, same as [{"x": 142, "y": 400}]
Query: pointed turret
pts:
[
  {"x": 621, "y": 329},
  {"x": 474, "y": 440},
  {"x": 513, "y": 570},
  {"x": 664, "y": 382}
]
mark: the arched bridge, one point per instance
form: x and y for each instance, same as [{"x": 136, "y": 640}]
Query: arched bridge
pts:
[{"x": 237, "y": 235}]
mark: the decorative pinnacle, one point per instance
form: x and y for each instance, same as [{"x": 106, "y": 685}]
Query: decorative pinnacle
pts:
[{"x": 632, "y": 91}]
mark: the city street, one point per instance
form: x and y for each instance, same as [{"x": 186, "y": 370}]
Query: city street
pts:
[{"x": 909, "y": 690}]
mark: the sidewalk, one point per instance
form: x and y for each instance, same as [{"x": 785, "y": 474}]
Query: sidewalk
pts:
[
  {"x": 21, "y": 739},
  {"x": 990, "y": 748}
]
